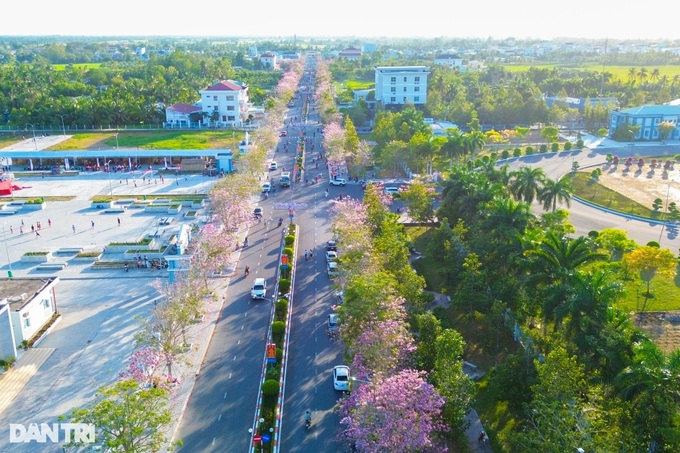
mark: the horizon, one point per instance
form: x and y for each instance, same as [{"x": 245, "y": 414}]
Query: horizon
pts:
[{"x": 523, "y": 19}]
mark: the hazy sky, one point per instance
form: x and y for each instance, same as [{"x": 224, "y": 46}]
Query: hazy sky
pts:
[{"x": 599, "y": 19}]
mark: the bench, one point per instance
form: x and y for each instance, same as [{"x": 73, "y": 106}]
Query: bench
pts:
[
  {"x": 52, "y": 266},
  {"x": 470, "y": 365},
  {"x": 115, "y": 210},
  {"x": 70, "y": 250}
]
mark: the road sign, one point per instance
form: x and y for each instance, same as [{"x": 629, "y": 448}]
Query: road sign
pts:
[
  {"x": 266, "y": 438},
  {"x": 271, "y": 353},
  {"x": 257, "y": 439},
  {"x": 284, "y": 259}
]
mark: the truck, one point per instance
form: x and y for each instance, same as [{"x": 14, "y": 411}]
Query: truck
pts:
[{"x": 285, "y": 179}]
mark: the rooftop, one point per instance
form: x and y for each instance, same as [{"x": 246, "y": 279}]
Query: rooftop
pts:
[
  {"x": 13, "y": 289},
  {"x": 653, "y": 110}
]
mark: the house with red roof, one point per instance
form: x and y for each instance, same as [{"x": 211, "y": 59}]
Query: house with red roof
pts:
[
  {"x": 225, "y": 103},
  {"x": 183, "y": 115}
]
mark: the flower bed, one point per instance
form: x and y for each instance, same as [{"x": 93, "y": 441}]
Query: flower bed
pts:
[{"x": 36, "y": 257}]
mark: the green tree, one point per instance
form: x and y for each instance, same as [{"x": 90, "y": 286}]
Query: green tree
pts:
[
  {"x": 450, "y": 380},
  {"x": 665, "y": 128},
  {"x": 649, "y": 261},
  {"x": 429, "y": 328},
  {"x": 554, "y": 191},
  {"x": 419, "y": 200},
  {"x": 527, "y": 183},
  {"x": 550, "y": 134},
  {"x": 130, "y": 419}
]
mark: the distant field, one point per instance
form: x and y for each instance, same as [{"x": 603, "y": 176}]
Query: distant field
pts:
[
  {"x": 359, "y": 85},
  {"x": 60, "y": 67},
  {"x": 619, "y": 72}
]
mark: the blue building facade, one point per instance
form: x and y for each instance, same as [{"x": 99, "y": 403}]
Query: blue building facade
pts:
[{"x": 648, "y": 118}]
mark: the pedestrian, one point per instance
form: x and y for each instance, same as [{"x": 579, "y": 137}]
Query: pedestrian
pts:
[
  {"x": 49, "y": 223},
  {"x": 306, "y": 254},
  {"x": 73, "y": 227},
  {"x": 32, "y": 228},
  {"x": 11, "y": 229},
  {"x": 37, "y": 235},
  {"x": 135, "y": 183},
  {"x": 22, "y": 222},
  {"x": 21, "y": 230},
  {"x": 92, "y": 221},
  {"x": 118, "y": 219}
]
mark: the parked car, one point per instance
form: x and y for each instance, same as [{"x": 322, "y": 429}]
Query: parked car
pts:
[
  {"x": 266, "y": 187},
  {"x": 332, "y": 246},
  {"x": 333, "y": 323},
  {"x": 259, "y": 290},
  {"x": 341, "y": 378},
  {"x": 331, "y": 255},
  {"x": 338, "y": 182},
  {"x": 283, "y": 134},
  {"x": 332, "y": 269},
  {"x": 391, "y": 190}
]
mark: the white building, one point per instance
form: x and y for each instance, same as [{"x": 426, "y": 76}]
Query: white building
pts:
[
  {"x": 183, "y": 115},
  {"x": 451, "y": 61},
  {"x": 269, "y": 60},
  {"x": 225, "y": 103},
  {"x": 26, "y": 306},
  {"x": 398, "y": 85}
]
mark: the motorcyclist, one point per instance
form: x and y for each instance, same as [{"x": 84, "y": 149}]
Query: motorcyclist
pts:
[
  {"x": 247, "y": 270},
  {"x": 245, "y": 242},
  {"x": 280, "y": 221}
]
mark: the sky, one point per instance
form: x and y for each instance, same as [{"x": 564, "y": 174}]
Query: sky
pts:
[{"x": 499, "y": 19}]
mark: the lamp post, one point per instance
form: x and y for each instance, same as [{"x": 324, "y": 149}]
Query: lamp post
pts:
[
  {"x": 35, "y": 142},
  {"x": 116, "y": 140},
  {"x": 63, "y": 128},
  {"x": 9, "y": 261}
]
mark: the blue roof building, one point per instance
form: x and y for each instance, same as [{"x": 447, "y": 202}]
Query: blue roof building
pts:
[{"x": 648, "y": 117}]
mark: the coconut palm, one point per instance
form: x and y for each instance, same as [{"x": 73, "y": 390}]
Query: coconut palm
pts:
[
  {"x": 554, "y": 191},
  {"x": 526, "y": 183}
]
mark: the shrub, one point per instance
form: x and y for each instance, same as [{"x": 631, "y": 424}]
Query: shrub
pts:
[
  {"x": 567, "y": 146},
  {"x": 36, "y": 253},
  {"x": 554, "y": 147},
  {"x": 505, "y": 154},
  {"x": 284, "y": 286},
  {"x": 653, "y": 244},
  {"x": 281, "y": 309},
  {"x": 544, "y": 148},
  {"x": 529, "y": 150},
  {"x": 279, "y": 354},
  {"x": 273, "y": 373},
  {"x": 278, "y": 327},
  {"x": 517, "y": 152},
  {"x": 579, "y": 144},
  {"x": 270, "y": 387},
  {"x": 290, "y": 239},
  {"x": 289, "y": 251},
  {"x": 36, "y": 201}
]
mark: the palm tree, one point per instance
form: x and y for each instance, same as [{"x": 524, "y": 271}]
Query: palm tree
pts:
[
  {"x": 527, "y": 183},
  {"x": 642, "y": 75},
  {"x": 474, "y": 141},
  {"x": 652, "y": 385},
  {"x": 553, "y": 191},
  {"x": 654, "y": 76},
  {"x": 632, "y": 75}
]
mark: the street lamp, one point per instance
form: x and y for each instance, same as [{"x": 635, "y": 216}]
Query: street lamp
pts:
[
  {"x": 63, "y": 128},
  {"x": 35, "y": 142},
  {"x": 116, "y": 140},
  {"x": 9, "y": 261}
]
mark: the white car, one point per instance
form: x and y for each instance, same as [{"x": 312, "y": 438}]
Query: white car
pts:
[
  {"x": 332, "y": 269},
  {"x": 266, "y": 187},
  {"x": 341, "y": 378},
  {"x": 331, "y": 256},
  {"x": 338, "y": 182},
  {"x": 259, "y": 290},
  {"x": 391, "y": 190},
  {"x": 273, "y": 165}
]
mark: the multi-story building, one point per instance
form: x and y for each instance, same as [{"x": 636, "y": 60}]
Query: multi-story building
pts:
[
  {"x": 225, "y": 103},
  {"x": 269, "y": 60},
  {"x": 398, "y": 85},
  {"x": 648, "y": 118}
]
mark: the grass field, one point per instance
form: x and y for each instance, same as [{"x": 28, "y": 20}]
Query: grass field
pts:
[
  {"x": 153, "y": 140},
  {"x": 359, "y": 85},
  {"x": 60, "y": 67},
  {"x": 618, "y": 72}
]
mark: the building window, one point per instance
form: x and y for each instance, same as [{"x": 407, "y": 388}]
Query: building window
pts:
[
  {"x": 230, "y": 107},
  {"x": 404, "y": 89},
  {"x": 416, "y": 99},
  {"x": 405, "y": 79},
  {"x": 393, "y": 99},
  {"x": 214, "y": 98},
  {"x": 393, "y": 89},
  {"x": 231, "y": 118},
  {"x": 27, "y": 322},
  {"x": 46, "y": 303},
  {"x": 230, "y": 98},
  {"x": 393, "y": 80},
  {"x": 416, "y": 89},
  {"x": 416, "y": 80}
]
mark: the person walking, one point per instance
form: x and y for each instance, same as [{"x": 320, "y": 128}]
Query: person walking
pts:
[
  {"x": 92, "y": 221},
  {"x": 73, "y": 227},
  {"x": 11, "y": 229},
  {"x": 118, "y": 219},
  {"x": 49, "y": 223},
  {"x": 21, "y": 230},
  {"x": 37, "y": 235}
]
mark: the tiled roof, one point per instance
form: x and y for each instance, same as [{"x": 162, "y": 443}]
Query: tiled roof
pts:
[
  {"x": 267, "y": 55},
  {"x": 448, "y": 56},
  {"x": 184, "y": 108},
  {"x": 225, "y": 85},
  {"x": 653, "y": 110}
]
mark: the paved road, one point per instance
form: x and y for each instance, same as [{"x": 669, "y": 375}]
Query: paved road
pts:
[{"x": 586, "y": 218}]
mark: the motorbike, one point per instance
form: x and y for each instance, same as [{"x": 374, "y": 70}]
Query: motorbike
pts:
[
  {"x": 247, "y": 271},
  {"x": 280, "y": 222}
]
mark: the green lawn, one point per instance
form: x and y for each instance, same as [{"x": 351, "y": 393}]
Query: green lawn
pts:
[
  {"x": 60, "y": 67},
  {"x": 618, "y": 72},
  {"x": 359, "y": 84},
  {"x": 154, "y": 140}
]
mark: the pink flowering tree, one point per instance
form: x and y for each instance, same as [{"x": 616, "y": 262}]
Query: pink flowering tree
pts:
[
  {"x": 394, "y": 412},
  {"x": 213, "y": 251},
  {"x": 141, "y": 367},
  {"x": 384, "y": 347}
]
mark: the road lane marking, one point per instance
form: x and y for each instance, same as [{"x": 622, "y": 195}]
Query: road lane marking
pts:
[
  {"x": 229, "y": 378},
  {"x": 225, "y": 393},
  {"x": 238, "y": 342},
  {"x": 213, "y": 442},
  {"x": 234, "y": 358},
  {"x": 219, "y": 417}
]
